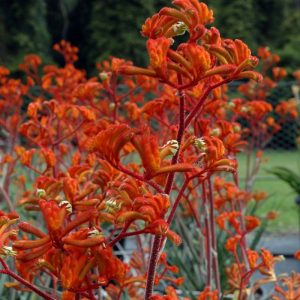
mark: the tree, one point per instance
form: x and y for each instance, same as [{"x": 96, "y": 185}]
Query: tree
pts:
[
  {"x": 23, "y": 30},
  {"x": 237, "y": 20}
]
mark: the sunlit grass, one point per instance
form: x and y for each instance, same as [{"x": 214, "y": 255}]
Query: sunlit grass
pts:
[{"x": 281, "y": 197}]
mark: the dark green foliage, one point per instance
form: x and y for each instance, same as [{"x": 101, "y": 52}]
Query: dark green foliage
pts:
[
  {"x": 114, "y": 29},
  {"x": 108, "y": 27},
  {"x": 236, "y": 19},
  {"x": 23, "y": 30},
  {"x": 288, "y": 176}
]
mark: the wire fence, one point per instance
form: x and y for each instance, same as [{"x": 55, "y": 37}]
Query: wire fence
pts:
[{"x": 285, "y": 138}]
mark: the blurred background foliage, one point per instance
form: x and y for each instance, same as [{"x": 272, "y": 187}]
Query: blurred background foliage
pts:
[{"x": 111, "y": 27}]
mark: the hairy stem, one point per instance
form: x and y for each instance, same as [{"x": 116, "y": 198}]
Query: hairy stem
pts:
[
  {"x": 158, "y": 238},
  {"x": 214, "y": 238},
  {"x": 27, "y": 284},
  {"x": 207, "y": 236}
]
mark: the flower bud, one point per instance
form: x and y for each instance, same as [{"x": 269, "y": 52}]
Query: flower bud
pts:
[{"x": 200, "y": 144}]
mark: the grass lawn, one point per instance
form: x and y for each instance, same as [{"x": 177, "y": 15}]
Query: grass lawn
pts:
[{"x": 281, "y": 197}]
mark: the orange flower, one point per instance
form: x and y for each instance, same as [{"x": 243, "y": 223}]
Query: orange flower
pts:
[
  {"x": 147, "y": 147},
  {"x": 68, "y": 51},
  {"x": 53, "y": 214},
  {"x": 232, "y": 243},
  {"x": 208, "y": 294},
  {"x": 267, "y": 258},
  {"x": 252, "y": 258},
  {"x": 191, "y": 13},
  {"x": 109, "y": 142},
  {"x": 157, "y": 51},
  {"x": 70, "y": 273},
  {"x": 49, "y": 157},
  {"x": 237, "y": 53},
  {"x": 251, "y": 222},
  {"x": 191, "y": 60},
  {"x": 278, "y": 73},
  {"x": 109, "y": 266},
  {"x": 297, "y": 254},
  {"x": 157, "y": 26},
  {"x": 30, "y": 64}
]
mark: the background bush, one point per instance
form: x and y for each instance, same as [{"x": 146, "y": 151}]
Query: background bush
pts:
[{"x": 108, "y": 27}]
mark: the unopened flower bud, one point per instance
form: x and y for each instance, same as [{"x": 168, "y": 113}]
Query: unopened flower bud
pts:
[
  {"x": 236, "y": 128},
  {"x": 8, "y": 251},
  {"x": 112, "y": 106},
  {"x": 41, "y": 193},
  {"x": 103, "y": 76},
  {"x": 231, "y": 104},
  {"x": 200, "y": 144},
  {"x": 94, "y": 232},
  {"x": 111, "y": 205},
  {"x": 179, "y": 28},
  {"x": 67, "y": 204},
  {"x": 215, "y": 132},
  {"x": 244, "y": 109},
  {"x": 170, "y": 148}
]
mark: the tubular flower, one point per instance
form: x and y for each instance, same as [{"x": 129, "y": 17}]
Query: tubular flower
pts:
[
  {"x": 161, "y": 227},
  {"x": 83, "y": 238},
  {"x": 71, "y": 273},
  {"x": 288, "y": 109},
  {"x": 109, "y": 142},
  {"x": 53, "y": 214},
  {"x": 236, "y": 53},
  {"x": 7, "y": 234},
  {"x": 208, "y": 294},
  {"x": 170, "y": 295},
  {"x": 147, "y": 207},
  {"x": 68, "y": 51},
  {"x": 214, "y": 154},
  {"x": 157, "y": 51},
  {"x": 169, "y": 22},
  {"x": 252, "y": 222},
  {"x": 191, "y": 13},
  {"x": 109, "y": 266},
  {"x": 157, "y": 26},
  {"x": 191, "y": 60},
  {"x": 252, "y": 258},
  {"x": 290, "y": 288},
  {"x": 147, "y": 147},
  {"x": 234, "y": 279}
]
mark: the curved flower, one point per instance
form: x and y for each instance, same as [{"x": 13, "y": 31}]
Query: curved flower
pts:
[
  {"x": 157, "y": 51},
  {"x": 109, "y": 142}
]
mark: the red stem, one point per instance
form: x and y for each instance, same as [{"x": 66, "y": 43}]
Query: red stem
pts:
[
  {"x": 158, "y": 238},
  {"x": 6, "y": 198},
  {"x": 59, "y": 140},
  {"x": 183, "y": 124},
  {"x": 195, "y": 110},
  {"x": 207, "y": 236},
  {"x": 27, "y": 284},
  {"x": 140, "y": 177},
  {"x": 214, "y": 238}
]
